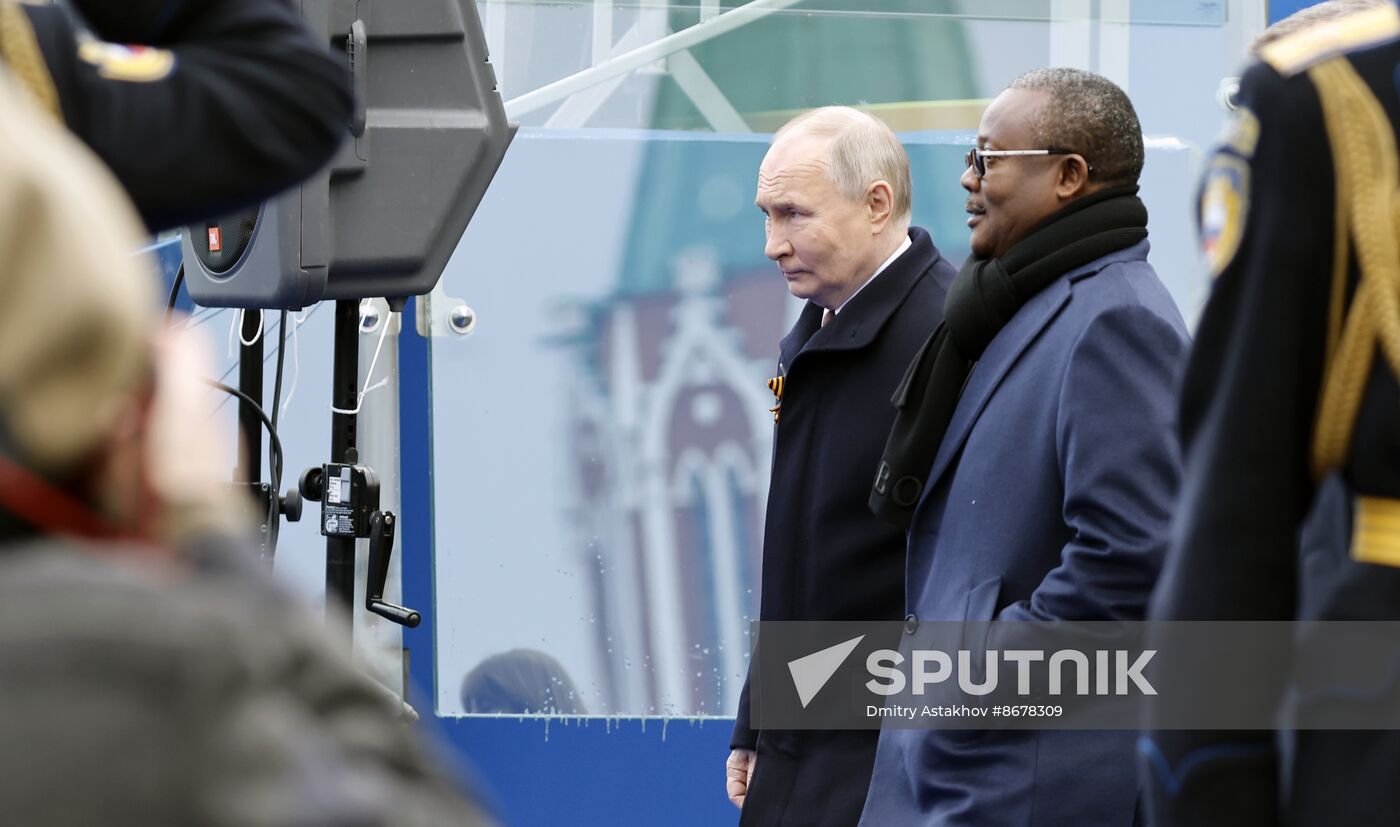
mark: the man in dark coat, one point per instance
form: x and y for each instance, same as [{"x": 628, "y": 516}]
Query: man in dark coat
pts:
[
  {"x": 1288, "y": 424},
  {"x": 834, "y": 190},
  {"x": 199, "y": 108},
  {"x": 1037, "y": 425}
]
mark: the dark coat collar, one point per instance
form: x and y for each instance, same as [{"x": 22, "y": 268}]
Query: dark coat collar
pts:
[{"x": 861, "y": 320}]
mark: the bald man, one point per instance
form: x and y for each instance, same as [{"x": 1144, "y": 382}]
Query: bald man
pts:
[{"x": 834, "y": 191}]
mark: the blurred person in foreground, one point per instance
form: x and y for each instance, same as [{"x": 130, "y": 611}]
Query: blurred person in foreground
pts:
[
  {"x": 199, "y": 107},
  {"x": 1291, "y": 498},
  {"x": 140, "y": 684}
]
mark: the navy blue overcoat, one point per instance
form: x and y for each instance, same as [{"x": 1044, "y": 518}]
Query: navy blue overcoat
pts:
[{"x": 1050, "y": 498}]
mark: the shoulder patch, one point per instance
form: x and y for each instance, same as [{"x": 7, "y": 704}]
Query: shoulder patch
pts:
[
  {"x": 1224, "y": 207},
  {"x": 136, "y": 64},
  {"x": 1301, "y": 50}
]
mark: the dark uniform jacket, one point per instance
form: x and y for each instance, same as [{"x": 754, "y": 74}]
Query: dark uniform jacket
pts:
[
  {"x": 223, "y": 104},
  {"x": 825, "y": 555},
  {"x": 1265, "y": 531}
]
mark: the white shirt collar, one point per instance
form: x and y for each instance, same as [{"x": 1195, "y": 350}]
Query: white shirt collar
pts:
[{"x": 897, "y": 253}]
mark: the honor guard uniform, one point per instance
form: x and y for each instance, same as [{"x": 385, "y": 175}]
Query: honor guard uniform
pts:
[
  {"x": 198, "y": 107},
  {"x": 1290, "y": 419}
]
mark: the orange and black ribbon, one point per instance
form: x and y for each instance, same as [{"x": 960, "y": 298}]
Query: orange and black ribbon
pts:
[{"x": 776, "y": 386}]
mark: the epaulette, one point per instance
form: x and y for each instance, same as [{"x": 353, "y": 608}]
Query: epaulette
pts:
[
  {"x": 21, "y": 53},
  {"x": 1304, "y": 49}
]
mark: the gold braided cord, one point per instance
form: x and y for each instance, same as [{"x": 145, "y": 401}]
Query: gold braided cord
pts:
[
  {"x": 1341, "y": 247},
  {"x": 1364, "y": 151},
  {"x": 19, "y": 49}
]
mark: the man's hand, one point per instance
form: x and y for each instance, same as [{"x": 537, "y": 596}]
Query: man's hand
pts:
[{"x": 738, "y": 772}]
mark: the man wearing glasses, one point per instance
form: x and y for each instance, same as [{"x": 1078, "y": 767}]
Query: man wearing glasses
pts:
[{"x": 1032, "y": 459}]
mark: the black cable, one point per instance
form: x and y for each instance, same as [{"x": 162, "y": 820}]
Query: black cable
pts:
[
  {"x": 277, "y": 383},
  {"x": 274, "y": 443},
  {"x": 276, "y": 522},
  {"x": 175, "y": 291}
]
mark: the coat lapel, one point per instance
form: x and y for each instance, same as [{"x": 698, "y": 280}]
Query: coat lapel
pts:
[
  {"x": 809, "y": 321},
  {"x": 1000, "y": 355},
  {"x": 861, "y": 321},
  {"x": 1006, "y": 348}
]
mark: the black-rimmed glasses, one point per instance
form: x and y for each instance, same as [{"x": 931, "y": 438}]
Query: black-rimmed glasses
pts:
[{"x": 976, "y": 158}]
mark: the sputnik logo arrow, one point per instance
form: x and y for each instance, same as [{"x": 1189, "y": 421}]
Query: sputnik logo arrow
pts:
[{"x": 811, "y": 672}]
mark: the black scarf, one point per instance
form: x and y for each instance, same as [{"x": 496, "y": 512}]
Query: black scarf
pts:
[{"x": 982, "y": 299}]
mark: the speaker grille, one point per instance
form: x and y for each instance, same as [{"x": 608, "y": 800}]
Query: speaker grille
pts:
[{"x": 220, "y": 244}]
